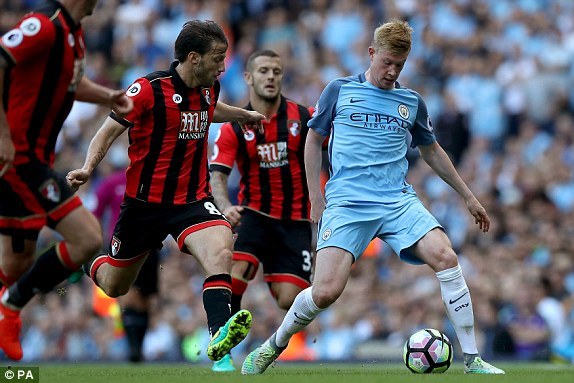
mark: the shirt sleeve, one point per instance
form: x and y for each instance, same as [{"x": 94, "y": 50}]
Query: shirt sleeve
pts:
[
  {"x": 325, "y": 109},
  {"x": 33, "y": 37},
  {"x": 422, "y": 131},
  {"x": 142, "y": 94},
  {"x": 224, "y": 150}
]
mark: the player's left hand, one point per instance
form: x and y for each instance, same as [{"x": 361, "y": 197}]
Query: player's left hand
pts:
[
  {"x": 254, "y": 121},
  {"x": 479, "y": 214},
  {"x": 120, "y": 103}
]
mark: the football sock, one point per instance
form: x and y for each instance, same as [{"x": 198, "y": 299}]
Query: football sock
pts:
[
  {"x": 135, "y": 325},
  {"x": 50, "y": 269},
  {"x": 301, "y": 313},
  {"x": 456, "y": 298},
  {"x": 217, "y": 300},
  {"x": 238, "y": 287}
]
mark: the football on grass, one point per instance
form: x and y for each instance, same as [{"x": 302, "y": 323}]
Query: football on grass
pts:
[{"x": 428, "y": 351}]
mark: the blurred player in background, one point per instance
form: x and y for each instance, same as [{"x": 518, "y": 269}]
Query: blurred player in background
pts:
[
  {"x": 272, "y": 218},
  {"x": 41, "y": 74},
  {"x": 168, "y": 191},
  {"x": 367, "y": 117}
]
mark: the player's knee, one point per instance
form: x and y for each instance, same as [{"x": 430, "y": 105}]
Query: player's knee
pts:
[
  {"x": 114, "y": 290},
  {"x": 225, "y": 255},
  {"x": 444, "y": 259},
  {"x": 325, "y": 297},
  {"x": 285, "y": 301}
]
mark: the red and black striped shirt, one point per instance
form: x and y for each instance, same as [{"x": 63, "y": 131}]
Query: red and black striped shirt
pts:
[
  {"x": 45, "y": 52},
  {"x": 272, "y": 164},
  {"x": 168, "y": 131}
]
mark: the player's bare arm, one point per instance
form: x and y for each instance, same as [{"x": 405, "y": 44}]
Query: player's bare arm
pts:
[
  {"x": 313, "y": 157},
  {"x": 220, "y": 193},
  {"x": 435, "y": 156},
  {"x": 7, "y": 150},
  {"x": 97, "y": 150},
  {"x": 89, "y": 91},
  {"x": 248, "y": 119}
]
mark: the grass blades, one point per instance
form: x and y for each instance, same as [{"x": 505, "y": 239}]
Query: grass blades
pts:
[{"x": 295, "y": 372}]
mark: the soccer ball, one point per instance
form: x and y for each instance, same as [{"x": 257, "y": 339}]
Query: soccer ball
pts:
[{"x": 428, "y": 351}]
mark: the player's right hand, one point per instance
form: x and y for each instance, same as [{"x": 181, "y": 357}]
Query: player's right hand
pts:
[
  {"x": 77, "y": 178},
  {"x": 233, "y": 214}
]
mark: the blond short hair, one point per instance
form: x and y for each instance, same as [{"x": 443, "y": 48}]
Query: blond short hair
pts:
[{"x": 394, "y": 37}]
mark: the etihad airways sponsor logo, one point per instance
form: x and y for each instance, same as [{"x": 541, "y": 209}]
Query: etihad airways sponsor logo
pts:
[{"x": 379, "y": 121}]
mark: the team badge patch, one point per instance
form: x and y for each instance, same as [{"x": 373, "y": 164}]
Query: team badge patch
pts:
[
  {"x": 13, "y": 38},
  {"x": 177, "y": 98},
  {"x": 71, "y": 40},
  {"x": 206, "y": 95},
  {"x": 116, "y": 243},
  {"x": 51, "y": 191},
  {"x": 249, "y": 135},
  {"x": 294, "y": 127},
  {"x": 134, "y": 90},
  {"x": 404, "y": 111},
  {"x": 326, "y": 234},
  {"x": 31, "y": 26}
]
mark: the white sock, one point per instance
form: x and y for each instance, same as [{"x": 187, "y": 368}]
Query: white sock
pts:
[
  {"x": 456, "y": 298},
  {"x": 301, "y": 313}
]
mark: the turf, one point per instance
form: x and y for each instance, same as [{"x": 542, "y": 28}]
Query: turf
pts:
[{"x": 295, "y": 373}]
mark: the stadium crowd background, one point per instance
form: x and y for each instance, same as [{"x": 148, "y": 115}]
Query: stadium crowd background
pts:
[{"x": 498, "y": 79}]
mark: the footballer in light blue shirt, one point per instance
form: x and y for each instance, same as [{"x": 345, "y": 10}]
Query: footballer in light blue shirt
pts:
[{"x": 368, "y": 119}]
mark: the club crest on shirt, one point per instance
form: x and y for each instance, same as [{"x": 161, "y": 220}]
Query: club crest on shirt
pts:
[
  {"x": 177, "y": 98},
  {"x": 294, "y": 127},
  {"x": 50, "y": 191},
  {"x": 404, "y": 111},
  {"x": 326, "y": 234},
  {"x": 115, "y": 245},
  {"x": 206, "y": 95},
  {"x": 71, "y": 40}
]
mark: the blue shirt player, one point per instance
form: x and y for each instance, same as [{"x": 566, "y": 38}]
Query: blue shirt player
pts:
[{"x": 368, "y": 118}]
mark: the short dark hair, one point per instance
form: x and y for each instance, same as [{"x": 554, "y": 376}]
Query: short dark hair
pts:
[
  {"x": 259, "y": 53},
  {"x": 198, "y": 36}
]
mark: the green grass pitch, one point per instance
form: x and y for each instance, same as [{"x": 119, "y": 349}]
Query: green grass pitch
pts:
[{"x": 295, "y": 373}]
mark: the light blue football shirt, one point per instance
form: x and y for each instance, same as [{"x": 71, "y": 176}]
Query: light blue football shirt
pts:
[{"x": 368, "y": 129}]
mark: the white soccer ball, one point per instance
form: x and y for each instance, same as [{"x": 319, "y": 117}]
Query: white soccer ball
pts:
[{"x": 428, "y": 351}]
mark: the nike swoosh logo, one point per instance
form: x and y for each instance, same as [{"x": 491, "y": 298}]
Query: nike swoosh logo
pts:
[
  {"x": 302, "y": 319},
  {"x": 451, "y": 301},
  {"x": 354, "y": 100}
]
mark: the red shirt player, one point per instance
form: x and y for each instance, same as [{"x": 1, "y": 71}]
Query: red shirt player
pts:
[
  {"x": 41, "y": 74},
  {"x": 167, "y": 191},
  {"x": 272, "y": 218}
]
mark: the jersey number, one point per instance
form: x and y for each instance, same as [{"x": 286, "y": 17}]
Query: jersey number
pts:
[
  {"x": 211, "y": 209},
  {"x": 306, "y": 260}
]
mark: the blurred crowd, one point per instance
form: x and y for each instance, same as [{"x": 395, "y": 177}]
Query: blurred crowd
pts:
[{"x": 498, "y": 78}]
